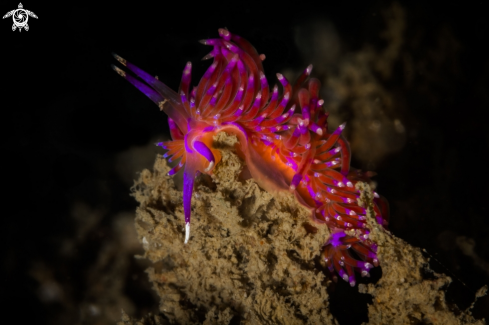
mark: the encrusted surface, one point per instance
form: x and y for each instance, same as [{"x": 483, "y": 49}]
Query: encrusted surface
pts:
[
  {"x": 250, "y": 255},
  {"x": 408, "y": 292},
  {"x": 254, "y": 258}
]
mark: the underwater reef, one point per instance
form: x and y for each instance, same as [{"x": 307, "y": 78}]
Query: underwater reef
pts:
[{"x": 254, "y": 258}]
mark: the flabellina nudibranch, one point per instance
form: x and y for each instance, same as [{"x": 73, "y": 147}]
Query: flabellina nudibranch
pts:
[{"x": 283, "y": 137}]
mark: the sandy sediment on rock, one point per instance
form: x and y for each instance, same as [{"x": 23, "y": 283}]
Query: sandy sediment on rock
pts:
[{"x": 253, "y": 258}]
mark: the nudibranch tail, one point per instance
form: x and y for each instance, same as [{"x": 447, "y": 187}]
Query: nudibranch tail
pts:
[{"x": 283, "y": 137}]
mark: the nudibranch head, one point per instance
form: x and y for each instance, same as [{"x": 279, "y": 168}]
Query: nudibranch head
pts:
[{"x": 283, "y": 137}]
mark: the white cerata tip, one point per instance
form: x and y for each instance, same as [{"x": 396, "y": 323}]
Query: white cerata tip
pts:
[{"x": 187, "y": 232}]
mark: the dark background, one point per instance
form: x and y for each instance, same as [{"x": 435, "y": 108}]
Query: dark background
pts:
[{"x": 74, "y": 134}]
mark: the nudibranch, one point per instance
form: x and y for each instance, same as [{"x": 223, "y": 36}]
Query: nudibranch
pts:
[{"x": 283, "y": 138}]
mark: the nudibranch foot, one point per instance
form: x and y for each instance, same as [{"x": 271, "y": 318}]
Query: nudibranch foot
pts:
[{"x": 282, "y": 135}]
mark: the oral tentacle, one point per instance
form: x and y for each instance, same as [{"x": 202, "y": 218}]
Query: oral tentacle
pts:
[{"x": 202, "y": 149}]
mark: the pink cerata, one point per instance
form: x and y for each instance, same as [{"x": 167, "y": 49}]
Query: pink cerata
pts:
[{"x": 283, "y": 137}]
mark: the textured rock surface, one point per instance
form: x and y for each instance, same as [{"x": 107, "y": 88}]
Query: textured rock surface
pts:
[
  {"x": 408, "y": 292},
  {"x": 254, "y": 258}
]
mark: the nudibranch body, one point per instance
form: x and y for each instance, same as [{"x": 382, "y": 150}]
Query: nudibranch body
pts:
[{"x": 283, "y": 137}]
